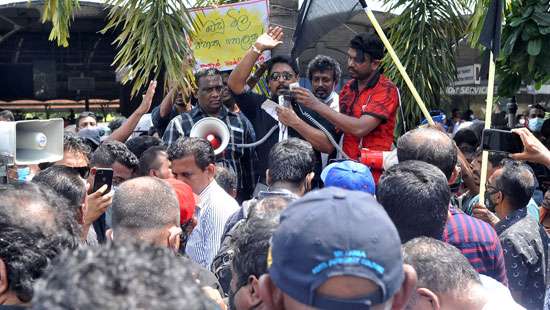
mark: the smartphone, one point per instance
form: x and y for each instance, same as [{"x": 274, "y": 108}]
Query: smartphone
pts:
[
  {"x": 501, "y": 141},
  {"x": 103, "y": 176}
]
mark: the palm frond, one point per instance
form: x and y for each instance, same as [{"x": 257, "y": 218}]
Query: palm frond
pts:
[{"x": 59, "y": 13}]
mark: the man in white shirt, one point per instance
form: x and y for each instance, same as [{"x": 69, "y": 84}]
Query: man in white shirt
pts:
[
  {"x": 324, "y": 74},
  {"x": 193, "y": 162}
]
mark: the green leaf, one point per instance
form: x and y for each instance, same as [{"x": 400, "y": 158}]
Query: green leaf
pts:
[
  {"x": 511, "y": 42},
  {"x": 544, "y": 30},
  {"x": 534, "y": 46},
  {"x": 541, "y": 18}
]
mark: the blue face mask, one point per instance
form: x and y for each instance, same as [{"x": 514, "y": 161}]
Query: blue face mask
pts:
[
  {"x": 535, "y": 124},
  {"x": 24, "y": 174}
]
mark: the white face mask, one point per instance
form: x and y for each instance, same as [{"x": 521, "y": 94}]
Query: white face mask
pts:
[{"x": 522, "y": 122}]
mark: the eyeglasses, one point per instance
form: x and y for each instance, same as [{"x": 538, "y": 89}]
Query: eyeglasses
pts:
[{"x": 275, "y": 76}]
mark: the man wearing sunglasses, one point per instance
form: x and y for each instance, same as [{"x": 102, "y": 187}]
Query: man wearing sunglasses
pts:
[{"x": 282, "y": 71}]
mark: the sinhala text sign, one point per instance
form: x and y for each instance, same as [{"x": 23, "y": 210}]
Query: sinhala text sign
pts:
[{"x": 226, "y": 32}]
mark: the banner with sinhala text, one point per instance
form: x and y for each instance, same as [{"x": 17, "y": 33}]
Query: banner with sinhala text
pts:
[{"x": 226, "y": 32}]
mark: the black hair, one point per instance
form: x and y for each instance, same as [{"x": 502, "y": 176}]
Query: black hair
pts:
[
  {"x": 148, "y": 159},
  {"x": 138, "y": 145},
  {"x": 324, "y": 63},
  {"x": 7, "y": 115},
  {"x": 251, "y": 240},
  {"x": 467, "y": 136},
  {"x": 369, "y": 44},
  {"x": 196, "y": 147},
  {"x": 440, "y": 267},
  {"x": 116, "y": 123},
  {"x": 516, "y": 182},
  {"x": 75, "y": 144},
  {"x": 291, "y": 161},
  {"x": 84, "y": 115},
  {"x": 285, "y": 60},
  {"x": 110, "y": 152},
  {"x": 67, "y": 183},
  {"x": 416, "y": 196},
  {"x": 226, "y": 179},
  {"x": 495, "y": 158},
  {"x": 429, "y": 145},
  {"x": 121, "y": 276},
  {"x": 142, "y": 204},
  {"x": 29, "y": 242},
  {"x": 206, "y": 72}
]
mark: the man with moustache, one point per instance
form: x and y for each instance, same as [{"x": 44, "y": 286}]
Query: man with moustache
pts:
[
  {"x": 210, "y": 95},
  {"x": 368, "y": 103},
  {"x": 282, "y": 72},
  {"x": 324, "y": 73}
]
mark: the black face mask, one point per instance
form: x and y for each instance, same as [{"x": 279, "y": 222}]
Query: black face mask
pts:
[{"x": 489, "y": 204}]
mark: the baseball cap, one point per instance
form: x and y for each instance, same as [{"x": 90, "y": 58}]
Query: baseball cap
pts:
[
  {"x": 349, "y": 175},
  {"x": 335, "y": 232},
  {"x": 186, "y": 199},
  {"x": 93, "y": 134}
]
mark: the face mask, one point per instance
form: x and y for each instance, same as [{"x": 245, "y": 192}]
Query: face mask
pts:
[
  {"x": 522, "y": 122},
  {"x": 535, "y": 124},
  {"x": 489, "y": 204},
  {"x": 24, "y": 174}
]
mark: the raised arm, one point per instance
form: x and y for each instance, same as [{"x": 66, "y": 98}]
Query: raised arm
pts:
[
  {"x": 126, "y": 129},
  {"x": 239, "y": 76}
]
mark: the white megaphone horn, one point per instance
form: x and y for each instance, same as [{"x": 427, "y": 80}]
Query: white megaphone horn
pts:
[
  {"x": 214, "y": 131},
  {"x": 31, "y": 142}
]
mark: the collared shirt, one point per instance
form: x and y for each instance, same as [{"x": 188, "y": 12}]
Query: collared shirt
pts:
[
  {"x": 380, "y": 100},
  {"x": 525, "y": 245},
  {"x": 239, "y": 159},
  {"x": 333, "y": 101},
  {"x": 214, "y": 208},
  {"x": 478, "y": 242}
]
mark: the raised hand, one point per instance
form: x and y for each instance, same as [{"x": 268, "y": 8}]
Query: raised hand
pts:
[
  {"x": 147, "y": 98},
  {"x": 269, "y": 40},
  {"x": 533, "y": 149}
]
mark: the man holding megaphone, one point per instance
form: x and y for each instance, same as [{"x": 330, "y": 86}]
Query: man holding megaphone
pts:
[{"x": 210, "y": 105}]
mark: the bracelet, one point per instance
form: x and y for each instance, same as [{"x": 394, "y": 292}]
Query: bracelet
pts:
[{"x": 256, "y": 50}]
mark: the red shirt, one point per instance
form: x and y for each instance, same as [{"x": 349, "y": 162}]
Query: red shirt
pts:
[{"x": 379, "y": 100}]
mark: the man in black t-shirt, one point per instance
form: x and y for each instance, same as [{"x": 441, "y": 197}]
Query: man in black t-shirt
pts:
[{"x": 282, "y": 71}]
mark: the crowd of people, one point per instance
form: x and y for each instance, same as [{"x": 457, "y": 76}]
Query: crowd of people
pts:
[{"x": 295, "y": 221}]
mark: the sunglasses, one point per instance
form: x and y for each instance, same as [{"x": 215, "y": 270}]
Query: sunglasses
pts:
[{"x": 275, "y": 76}]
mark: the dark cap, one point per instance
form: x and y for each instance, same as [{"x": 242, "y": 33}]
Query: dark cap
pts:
[
  {"x": 336, "y": 232},
  {"x": 93, "y": 134}
]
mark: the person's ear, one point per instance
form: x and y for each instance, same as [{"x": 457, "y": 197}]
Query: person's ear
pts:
[
  {"x": 271, "y": 296},
  {"x": 267, "y": 177},
  {"x": 498, "y": 198},
  {"x": 152, "y": 173},
  {"x": 309, "y": 179},
  {"x": 430, "y": 297},
  {"x": 4, "y": 283},
  {"x": 401, "y": 298},
  {"x": 109, "y": 234},
  {"x": 211, "y": 169},
  {"x": 254, "y": 287},
  {"x": 174, "y": 238}
]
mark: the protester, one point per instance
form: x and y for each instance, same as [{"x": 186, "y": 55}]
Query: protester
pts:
[
  {"x": 416, "y": 196},
  {"x": 32, "y": 234},
  {"x": 131, "y": 277},
  {"x": 193, "y": 162},
  {"x": 187, "y": 203},
  {"x": 324, "y": 74},
  {"x": 282, "y": 71},
  {"x": 523, "y": 239},
  {"x": 116, "y": 156},
  {"x": 349, "y": 256},
  {"x": 209, "y": 94},
  {"x": 446, "y": 280},
  {"x": 349, "y": 175},
  {"x": 227, "y": 180},
  {"x": 476, "y": 240},
  {"x": 536, "y": 118},
  {"x": 67, "y": 183},
  {"x": 251, "y": 245},
  {"x": 368, "y": 103},
  {"x": 154, "y": 162},
  {"x": 171, "y": 106},
  {"x": 86, "y": 119}
]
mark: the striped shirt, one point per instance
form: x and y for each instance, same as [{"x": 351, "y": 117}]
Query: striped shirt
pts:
[
  {"x": 214, "y": 208},
  {"x": 238, "y": 159},
  {"x": 478, "y": 241}
]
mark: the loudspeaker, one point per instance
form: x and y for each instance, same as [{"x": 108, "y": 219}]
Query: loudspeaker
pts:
[
  {"x": 214, "y": 130},
  {"x": 32, "y": 142}
]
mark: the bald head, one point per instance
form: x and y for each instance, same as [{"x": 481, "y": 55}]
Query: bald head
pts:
[
  {"x": 143, "y": 206},
  {"x": 428, "y": 145}
]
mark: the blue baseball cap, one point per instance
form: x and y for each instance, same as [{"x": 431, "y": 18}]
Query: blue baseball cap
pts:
[
  {"x": 349, "y": 175},
  {"x": 335, "y": 232}
]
